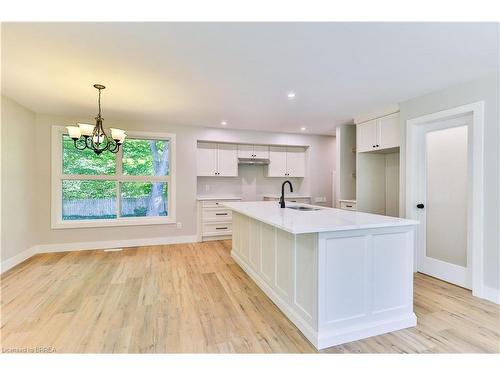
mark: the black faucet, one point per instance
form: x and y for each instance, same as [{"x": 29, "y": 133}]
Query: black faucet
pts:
[{"x": 282, "y": 198}]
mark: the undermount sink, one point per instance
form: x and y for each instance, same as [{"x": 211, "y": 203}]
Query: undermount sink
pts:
[{"x": 303, "y": 208}]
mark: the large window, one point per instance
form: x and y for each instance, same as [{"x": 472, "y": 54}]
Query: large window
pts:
[{"x": 133, "y": 187}]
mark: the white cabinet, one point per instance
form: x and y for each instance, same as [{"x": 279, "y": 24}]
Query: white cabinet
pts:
[
  {"x": 378, "y": 134},
  {"x": 227, "y": 160},
  {"x": 253, "y": 151},
  {"x": 214, "y": 220},
  {"x": 217, "y": 159},
  {"x": 207, "y": 159},
  {"x": 366, "y": 136},
  {"x": 295, "y": 162},
  {"x": 286, "y": 162},
  {"x": 389, "y": 131},
  {"x": 245, "y": 151}
]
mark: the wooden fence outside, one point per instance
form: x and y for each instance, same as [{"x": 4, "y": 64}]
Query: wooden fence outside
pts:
[{"x": 102, "y": 207}]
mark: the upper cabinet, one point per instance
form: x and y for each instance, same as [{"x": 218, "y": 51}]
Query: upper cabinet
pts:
[
  {"x": 378, "y": 134},
  {"x": 221, "y": 159},
  {"x": 217, "y": 159},
  {"x": 286, "y": 161},
  {"x": 253, "y": 151}
]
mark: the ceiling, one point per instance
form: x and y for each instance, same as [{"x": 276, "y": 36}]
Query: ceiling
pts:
[{"x": 205, "y": 73}]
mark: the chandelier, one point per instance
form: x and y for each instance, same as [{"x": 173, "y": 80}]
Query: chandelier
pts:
[{"x": 94, "y": 137}]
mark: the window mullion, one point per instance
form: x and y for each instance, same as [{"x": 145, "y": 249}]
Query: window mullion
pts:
[{"x": 119, "y": 176}]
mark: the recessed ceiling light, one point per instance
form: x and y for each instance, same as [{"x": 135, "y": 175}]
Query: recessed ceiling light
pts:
[
  {"x": 223, "y": 123},
  {"x": 290, "y": 95},
  {"x": 303, "y": 129}
]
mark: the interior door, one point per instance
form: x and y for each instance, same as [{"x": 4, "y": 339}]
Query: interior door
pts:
[{"x": 444, "y": 191}]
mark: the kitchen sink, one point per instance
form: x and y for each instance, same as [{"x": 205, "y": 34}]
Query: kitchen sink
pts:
[{"x": 304, "y": 208}]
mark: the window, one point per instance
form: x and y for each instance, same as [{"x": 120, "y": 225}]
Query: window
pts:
[{"x": 133, "y": 187}]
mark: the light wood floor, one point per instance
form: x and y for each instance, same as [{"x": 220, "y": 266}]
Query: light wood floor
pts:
[{"x": 194, "y": 298}]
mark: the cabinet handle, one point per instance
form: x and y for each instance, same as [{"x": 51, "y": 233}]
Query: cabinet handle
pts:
[
  {"x": 220, "y": 227},
  {"x": 348, "y": 206},
  {"x": 217, "y": 203},
  {"x": 373, "y": 146},
  {"x": 222, "y": 214},
  {"x": 377, "y": 145}
]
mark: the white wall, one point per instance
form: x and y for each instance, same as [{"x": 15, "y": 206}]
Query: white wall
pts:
[
  {"x": 19, "y": 187},
  {"x": 482, "y": 89},
  {"x": 320, "y": 164}
]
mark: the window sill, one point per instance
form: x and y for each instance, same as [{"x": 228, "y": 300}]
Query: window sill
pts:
[{"x": 100, "y": 223}]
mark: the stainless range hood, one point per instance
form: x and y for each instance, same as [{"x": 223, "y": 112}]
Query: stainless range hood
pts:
[{"x": 253, "y": 161}]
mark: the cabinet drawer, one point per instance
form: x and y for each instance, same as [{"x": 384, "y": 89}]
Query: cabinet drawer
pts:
[
  {"x": 348, "y": 206},
  {"x": 217, "y": 229},
  {"x": 215, "y": 204},
  {"x": 216, "y": 214}
]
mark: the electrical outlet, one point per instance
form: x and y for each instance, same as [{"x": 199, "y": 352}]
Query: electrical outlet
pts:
[
  {"x": 179, "y": 225},
  {"x": 319, "y": 199}
]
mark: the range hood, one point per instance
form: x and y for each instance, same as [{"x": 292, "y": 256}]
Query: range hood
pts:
[{"x": 253, "y": 161}]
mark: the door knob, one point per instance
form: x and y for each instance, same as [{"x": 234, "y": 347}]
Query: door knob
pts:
[{"x": 420, "y": 205}]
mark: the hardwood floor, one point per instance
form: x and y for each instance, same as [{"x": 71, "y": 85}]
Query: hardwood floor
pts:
[{"x": 194, "y": 298}]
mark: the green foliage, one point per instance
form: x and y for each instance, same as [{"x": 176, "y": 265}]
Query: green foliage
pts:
[
  {"x": 86, "y": 161},
  {"x": 137, "y": 160},
  {"x": 86, "y": 189}
]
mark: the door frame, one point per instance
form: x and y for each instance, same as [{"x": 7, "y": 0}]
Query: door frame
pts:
[{"x": 476, "y": 198}]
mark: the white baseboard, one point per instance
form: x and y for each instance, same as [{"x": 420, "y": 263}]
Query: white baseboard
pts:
[
  {"x": 19, "y": 258},
  {"x": 491, "y": 294},
  {"x": 97, "y": 245}
]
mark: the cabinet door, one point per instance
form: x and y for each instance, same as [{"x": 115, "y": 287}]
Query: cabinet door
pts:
[
  {"x": 261, "y": 152},
  {"x": 366, "y": 136},
  {"x": 206, "y": 157},
  {"x": 295, "y": 162},
  {"x": 277, "y": 162},
  {"x": 388, "y": 131},
  {"x": 227, "y": 160},
  {"x": 245, "y": 151}
]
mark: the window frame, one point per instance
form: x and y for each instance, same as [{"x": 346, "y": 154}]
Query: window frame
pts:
[{"x": 57, "y": 221}]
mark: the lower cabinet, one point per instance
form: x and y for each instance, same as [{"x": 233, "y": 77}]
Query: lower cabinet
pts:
[{"x": 214, "y": 221}]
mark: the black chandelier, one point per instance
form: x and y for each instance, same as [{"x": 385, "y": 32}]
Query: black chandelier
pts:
[{"x": 94, "y": 137}]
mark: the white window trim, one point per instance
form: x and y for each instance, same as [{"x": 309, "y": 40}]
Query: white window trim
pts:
[{"x": 56, "y": 189}]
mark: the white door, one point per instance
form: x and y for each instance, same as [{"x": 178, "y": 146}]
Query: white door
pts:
[
  {"x": 443, "y": 243},
  {"x": 227, "y": 160},
  {"x": 295, "y": 162},
  {"x": 245, "y": 151},
  {"x": 388, "y": 131},
  {"x": 366, "y": 136},
  {"x": 206, "y": 157},
  {"x": 277, "y": 162},
  {"x": 261, "y": 152}
]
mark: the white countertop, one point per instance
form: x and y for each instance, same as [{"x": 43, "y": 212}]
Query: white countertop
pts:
[
  {"x": 216, "y": 197},
  {"x": 348, "y": 200},
  {"x": 291, "y": 196},
  {"x": 323, "y": 220}
]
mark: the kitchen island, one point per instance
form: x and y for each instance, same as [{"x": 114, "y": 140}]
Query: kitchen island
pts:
[{"x": 338, "y": 275}]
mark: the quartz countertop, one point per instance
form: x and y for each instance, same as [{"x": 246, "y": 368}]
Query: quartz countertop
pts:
[
  {"x": 323, "y": 220},
  {"x": 287, "y": 196},
  {"x": 216, "y": 197}
]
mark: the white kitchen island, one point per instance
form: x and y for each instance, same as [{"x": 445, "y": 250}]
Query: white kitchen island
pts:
[{"x": 338, "y": 275}]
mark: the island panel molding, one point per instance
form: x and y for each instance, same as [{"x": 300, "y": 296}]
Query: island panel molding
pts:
[{"x": 335, "y": 286}]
